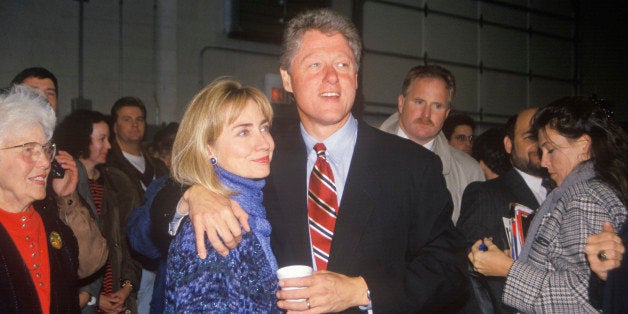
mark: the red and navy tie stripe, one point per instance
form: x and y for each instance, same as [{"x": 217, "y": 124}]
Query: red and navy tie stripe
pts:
[{"x": 322, "y": 206}]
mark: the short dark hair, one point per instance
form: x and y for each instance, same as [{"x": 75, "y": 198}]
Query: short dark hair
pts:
[
  {"x": 128, "y": 101},
  {"x": 489, "y": 147},
  {"x": 38, "y": 72},
  {"x": 164, "y": 138},
  {"x": 511, "y": 124},
  {"x": 455, "y": 120},
  {"x": 509, "y": 127},
  {"x": 430, "y": 71},
  {"x": 74, "y": 133}
]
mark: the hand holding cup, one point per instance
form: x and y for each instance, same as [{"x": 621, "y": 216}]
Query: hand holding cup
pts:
[{"x": 294, "y": 271}]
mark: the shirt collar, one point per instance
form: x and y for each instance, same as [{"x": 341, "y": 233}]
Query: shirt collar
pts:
[
  {"x": 534, "y": 183},
  {"x": 336, "y": 142},
  {"x": 429, "y": 145}
]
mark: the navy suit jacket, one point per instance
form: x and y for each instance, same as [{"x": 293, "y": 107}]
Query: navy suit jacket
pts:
[
  {"x": 483, "y": 206},
  {"x": 394, "y": 221},
  {"x": 485, "y": 203},
  {"x": 17, "y": 289}
]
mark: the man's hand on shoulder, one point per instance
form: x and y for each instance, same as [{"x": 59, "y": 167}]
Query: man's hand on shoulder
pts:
[
  {"x": 604, "y": 250},
  {"x": 220, "y": 218}
]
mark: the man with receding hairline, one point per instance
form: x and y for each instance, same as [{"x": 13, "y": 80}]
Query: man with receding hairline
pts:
[
  {"x": 425, "y": 102},
  {"x": 393, "y": 246},
  {"x": 485, "y": 203}
]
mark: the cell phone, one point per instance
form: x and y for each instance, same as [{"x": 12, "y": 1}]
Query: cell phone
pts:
[{"x": 56, "y": 171}]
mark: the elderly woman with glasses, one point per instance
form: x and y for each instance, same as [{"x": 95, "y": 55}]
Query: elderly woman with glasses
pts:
[{"x": 38, "y": 252}]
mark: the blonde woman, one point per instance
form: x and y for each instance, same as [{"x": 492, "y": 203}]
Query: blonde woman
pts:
[{"x": 223, "y": 144}]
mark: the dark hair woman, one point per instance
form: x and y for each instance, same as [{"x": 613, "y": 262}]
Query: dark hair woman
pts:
[
  {"x": 584, "y": 152},
  {"x": 110, "y": 195}
]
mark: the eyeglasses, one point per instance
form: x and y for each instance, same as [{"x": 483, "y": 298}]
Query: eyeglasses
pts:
[
  {"x": 464, "y": 138},
  {"x": 34, "y": 150}
]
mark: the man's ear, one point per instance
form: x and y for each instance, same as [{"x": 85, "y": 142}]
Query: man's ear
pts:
[
  {"x": 507, "y": 144},
  {"x": 286, "y": 79},
  {"x": 400, "y": 101}
]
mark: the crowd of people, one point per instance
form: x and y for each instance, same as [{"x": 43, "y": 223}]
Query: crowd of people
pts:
[{"x": 408, "y": 218}]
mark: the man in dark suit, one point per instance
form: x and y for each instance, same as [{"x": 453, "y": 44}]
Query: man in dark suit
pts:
[
  {"x": 485, "y": 203},
  {"x": 393, "y": 246}
]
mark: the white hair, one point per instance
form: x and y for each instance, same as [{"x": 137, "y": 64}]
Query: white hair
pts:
[{"x": 23, "y": 107}]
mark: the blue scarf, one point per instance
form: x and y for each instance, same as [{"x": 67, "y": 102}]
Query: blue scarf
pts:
[{"x": 249, "y": 195}]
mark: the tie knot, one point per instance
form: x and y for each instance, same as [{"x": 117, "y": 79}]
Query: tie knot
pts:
[{"x": 320, "y": 149}]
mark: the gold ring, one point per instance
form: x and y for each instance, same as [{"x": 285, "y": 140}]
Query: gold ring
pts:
[{"x": 602, "y": 255}]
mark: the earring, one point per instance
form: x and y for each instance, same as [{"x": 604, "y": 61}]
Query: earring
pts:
[{"x": 213, "y": 161}]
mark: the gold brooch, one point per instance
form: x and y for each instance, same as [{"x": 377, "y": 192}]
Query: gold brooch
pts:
[{"x": 55, "y": 240}]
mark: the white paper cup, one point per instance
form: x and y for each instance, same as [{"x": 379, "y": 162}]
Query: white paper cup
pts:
[{"x": 294, "y": 271}]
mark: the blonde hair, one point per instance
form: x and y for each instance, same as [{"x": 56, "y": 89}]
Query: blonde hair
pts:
[{"x": 214, "y": 107}]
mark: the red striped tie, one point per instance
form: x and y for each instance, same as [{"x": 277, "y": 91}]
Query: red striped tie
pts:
[{"x": 322, "y": 205}]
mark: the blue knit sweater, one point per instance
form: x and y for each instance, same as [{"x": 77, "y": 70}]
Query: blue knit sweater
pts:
[{"x": 242, "y": 282}]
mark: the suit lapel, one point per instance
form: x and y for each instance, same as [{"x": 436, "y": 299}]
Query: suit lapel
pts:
[
  {"x": 441, "y": 148},
  {"x": 288, "y": 167},
  {"x": 357, "y": 204},
  {"x": 358, "y": 201}
]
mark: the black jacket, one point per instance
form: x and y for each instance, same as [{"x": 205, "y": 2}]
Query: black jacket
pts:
[
  {"x": 394, "y": 226},
  {"x": 483, "y": 206},
  {"x": 394, "y": 221},
  {"x": 17, "y": 290}
]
